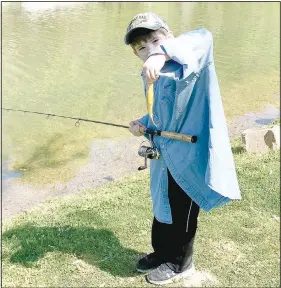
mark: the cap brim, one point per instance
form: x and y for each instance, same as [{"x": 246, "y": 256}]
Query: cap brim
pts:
[{"x": 128, "y": 35}]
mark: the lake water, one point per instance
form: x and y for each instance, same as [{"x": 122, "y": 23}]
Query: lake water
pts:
[{"x": 70, "y": 59}]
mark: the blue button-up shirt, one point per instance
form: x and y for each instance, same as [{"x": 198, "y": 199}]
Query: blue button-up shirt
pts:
[{"x": 187, "y": 100}]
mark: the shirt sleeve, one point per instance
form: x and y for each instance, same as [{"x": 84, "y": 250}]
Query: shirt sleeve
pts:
[
  {"x": 192, "y": 50},
  {"x": 144, "y": 120}
]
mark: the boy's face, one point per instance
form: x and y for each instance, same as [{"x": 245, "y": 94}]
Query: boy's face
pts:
[{"x": 143, "y": 48}]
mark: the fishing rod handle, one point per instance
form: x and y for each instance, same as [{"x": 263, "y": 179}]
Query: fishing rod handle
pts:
[
  {"x": 178, "y": 136},
  {"x": 171, "y": 135}
]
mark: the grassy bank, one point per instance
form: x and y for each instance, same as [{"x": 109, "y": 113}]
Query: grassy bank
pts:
[{"x": 94, "y": 239}]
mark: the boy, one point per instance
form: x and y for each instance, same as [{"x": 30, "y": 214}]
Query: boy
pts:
[{"x": 187, "y": 175}]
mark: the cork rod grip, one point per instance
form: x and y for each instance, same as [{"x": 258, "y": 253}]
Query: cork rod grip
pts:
[
  {"x": 171, "y": 135},
  {"x": 177, "y": 136}
]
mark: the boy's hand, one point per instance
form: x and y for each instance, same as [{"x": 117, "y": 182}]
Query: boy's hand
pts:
[
  {"x": 135, "y": 128},
  {"x": 153, "y": 65}
]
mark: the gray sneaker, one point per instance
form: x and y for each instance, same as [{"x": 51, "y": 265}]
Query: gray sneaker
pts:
[{"x": 164, "y": 274}]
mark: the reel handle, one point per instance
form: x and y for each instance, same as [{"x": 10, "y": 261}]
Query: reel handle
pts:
[
  {"x": 142, "y": 168},
  {"x": 145, "y": 165}
]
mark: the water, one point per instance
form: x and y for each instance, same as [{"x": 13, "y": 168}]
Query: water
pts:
[
  {"x": 253, "y": 120},
  {"x": 8, "y": 175},
  {"x": 265, "y": 121},
  {"x": 70, "y": 59}
]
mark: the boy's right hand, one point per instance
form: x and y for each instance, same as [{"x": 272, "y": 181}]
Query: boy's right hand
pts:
[
  {"x": 135, "y": 128},
  {"x": 153, "y": 65}
]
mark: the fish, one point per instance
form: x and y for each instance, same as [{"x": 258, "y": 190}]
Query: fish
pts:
[{"x": 150, "y": 100}]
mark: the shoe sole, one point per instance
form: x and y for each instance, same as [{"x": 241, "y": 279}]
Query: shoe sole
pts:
[
  {"x": 177, "y": 277},
  {"x": 144, "y": 271},
  {"x": 147, "y": 270}
]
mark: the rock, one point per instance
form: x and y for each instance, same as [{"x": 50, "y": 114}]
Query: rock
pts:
[
  {"x": 276, "y": 131},
  {"x": 261, "y": 140}
]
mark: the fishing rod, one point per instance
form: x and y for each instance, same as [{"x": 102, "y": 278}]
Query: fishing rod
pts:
[
  {"x": 148, "y": 152},
  {"x": 166, "y": 134},
  {"x": 68, "y": 117}
]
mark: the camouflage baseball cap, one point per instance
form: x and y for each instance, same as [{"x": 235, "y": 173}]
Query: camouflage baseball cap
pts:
[{"x": 147, "y": 20}]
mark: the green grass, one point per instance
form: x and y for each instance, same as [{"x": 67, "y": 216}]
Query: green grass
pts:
[{"x": 93, "y": 239}]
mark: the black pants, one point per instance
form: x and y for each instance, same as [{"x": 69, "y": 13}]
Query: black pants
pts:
[{"x": 173, "y": 243}]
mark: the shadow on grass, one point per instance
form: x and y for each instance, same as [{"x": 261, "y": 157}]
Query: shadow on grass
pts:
[{"x": 98, "y": 247}]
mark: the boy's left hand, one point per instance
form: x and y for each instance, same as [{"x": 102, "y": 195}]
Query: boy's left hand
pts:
[{"x": 153, "y": 65}]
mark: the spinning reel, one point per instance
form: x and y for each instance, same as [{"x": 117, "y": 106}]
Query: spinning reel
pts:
[{"x": 150, "y": 152}]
